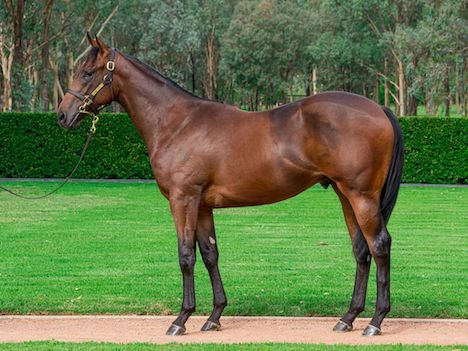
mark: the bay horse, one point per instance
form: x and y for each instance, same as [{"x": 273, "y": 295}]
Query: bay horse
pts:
[{"x": 206, "y": 155}]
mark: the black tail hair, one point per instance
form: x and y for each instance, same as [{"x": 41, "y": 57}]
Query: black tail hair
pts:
[{"x": 392, "y": 183}]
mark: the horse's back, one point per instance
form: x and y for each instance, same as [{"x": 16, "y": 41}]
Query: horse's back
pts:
[{"x": 250, "y": 158}]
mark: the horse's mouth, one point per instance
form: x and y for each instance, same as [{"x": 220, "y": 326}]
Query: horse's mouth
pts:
[{"x": 76, "y": 121}]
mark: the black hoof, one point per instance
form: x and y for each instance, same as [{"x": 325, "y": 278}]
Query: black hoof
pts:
[
  {"x": 342, "y": 327},
  {"x": 371, "y": 331},
  {"x": 211, "y": 326},
  {"x": 175, "y": 330}
]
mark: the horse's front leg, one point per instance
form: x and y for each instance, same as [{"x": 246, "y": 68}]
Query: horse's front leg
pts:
[
  {"x": 206, "y": 238},
  {"x": 184, "y": 208}
]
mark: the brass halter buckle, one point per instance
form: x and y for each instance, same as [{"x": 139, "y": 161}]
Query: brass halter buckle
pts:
[{"x": 87, "y": 101}]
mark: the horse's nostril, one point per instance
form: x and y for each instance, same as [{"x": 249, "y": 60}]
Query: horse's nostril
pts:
[{"x": 61, "y": 116}]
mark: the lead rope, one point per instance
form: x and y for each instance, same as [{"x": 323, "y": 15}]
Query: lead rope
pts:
[{"x": 91, "y": 133}]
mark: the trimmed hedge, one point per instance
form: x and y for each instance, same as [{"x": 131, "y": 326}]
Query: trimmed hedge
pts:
[
  {"x": 32, "y": 145},
  {"x": 436, "y": 150}
]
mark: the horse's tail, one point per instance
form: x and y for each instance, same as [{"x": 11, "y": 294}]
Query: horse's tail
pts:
[{"x": 392, "y": 183}]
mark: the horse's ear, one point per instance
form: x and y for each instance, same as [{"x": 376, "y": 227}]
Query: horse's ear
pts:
[
  {"x": 101, "y": 45},
  {"x": 90, "y": 39}
]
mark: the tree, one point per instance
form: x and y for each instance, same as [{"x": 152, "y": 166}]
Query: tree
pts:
[
  {"x": 254, "y": 53},
  {"x": 264, "y": 49}
]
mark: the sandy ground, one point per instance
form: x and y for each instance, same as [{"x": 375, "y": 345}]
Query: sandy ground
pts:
[{"x": 125, "y": 329}]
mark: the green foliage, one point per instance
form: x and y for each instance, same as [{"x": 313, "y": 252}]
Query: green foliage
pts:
[
  {"x": 33, "y": 145},
  {"x": 253, "y": 53},
  {"x": 264, "y": 47}
]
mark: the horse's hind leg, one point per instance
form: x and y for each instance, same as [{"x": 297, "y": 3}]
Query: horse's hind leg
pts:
[
  {"x": 206, "y": 238},
  {"x": 362, "y": 255},
  {"x": 366, "y": 208}
]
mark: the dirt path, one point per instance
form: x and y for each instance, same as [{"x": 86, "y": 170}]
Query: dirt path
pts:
[{"x": 124, "y": 329}]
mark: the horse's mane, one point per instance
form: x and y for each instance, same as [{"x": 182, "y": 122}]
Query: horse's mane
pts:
[{"x": 158, "y": 75}]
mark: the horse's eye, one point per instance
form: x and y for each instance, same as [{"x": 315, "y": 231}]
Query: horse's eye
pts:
[{"x": 88, "y": 73}]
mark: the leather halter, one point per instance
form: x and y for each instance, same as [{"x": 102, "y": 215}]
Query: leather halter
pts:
[{"x": 88, "y": 100}]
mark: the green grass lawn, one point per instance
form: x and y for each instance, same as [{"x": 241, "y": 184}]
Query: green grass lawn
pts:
[
  {"x": 58, "y": 346},
  {"x": 111, "y": 248}
]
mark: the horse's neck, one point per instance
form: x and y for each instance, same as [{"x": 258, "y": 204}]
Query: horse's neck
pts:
[{"x": 154, "y": 105}]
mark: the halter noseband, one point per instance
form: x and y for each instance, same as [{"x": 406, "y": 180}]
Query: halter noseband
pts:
[{"x": 88, "y": 100}]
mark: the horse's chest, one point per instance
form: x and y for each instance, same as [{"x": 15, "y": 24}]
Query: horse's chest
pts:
[{"x": 177, "y": 172}]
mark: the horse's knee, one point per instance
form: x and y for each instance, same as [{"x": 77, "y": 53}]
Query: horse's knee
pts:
[
  {"x": 211, "y": 261},
  {"x": 187, "y": 261}
]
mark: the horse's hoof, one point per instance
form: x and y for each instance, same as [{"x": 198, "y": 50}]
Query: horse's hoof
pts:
[
  {"x": 211, "y": 326},
  {"x": 175, "y": 330},
  {"x": 342, "y": 327},
  {"x": 371, "y": 331}
]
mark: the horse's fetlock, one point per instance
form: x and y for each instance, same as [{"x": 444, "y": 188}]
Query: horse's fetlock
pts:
[
  {"x": 356, "y": 310},
  {"x": 384, "y": 308},
  {"x": 188, "y": 309},
  {"x": 221, "y": 304}
]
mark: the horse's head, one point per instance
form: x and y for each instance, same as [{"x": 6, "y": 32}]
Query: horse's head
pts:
[{"x": 92, "y": 86}]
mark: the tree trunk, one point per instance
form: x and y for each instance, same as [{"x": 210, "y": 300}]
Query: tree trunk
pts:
[
  {"x": 57, "y": 90},
  {"x": 463, "y": 92},
  {"x": 432, "y": 106},
  {"x": 397, "y": 92},
  {"x": 386, "y": 88},
  {"x": 192, "y": 63},
  {"x": 457, "y": 87},
  {"x": 45, "y": 55},
  {"x": 447, "y": 91},
  {"x": 377, "y": 90},
  {"x": 6, "y": 69},
  {"x": 314, "y": 81},
  {"x": 210, "y": 63},
  {"x": 70, "y": 71},
  {"x": 55, "y": 98},
  {"x": 34, "y": 95},
  {"x": 412, "y": 106},
  {"x": 402, "y": 88},
  {"x": 18, "y": 32},
  {"x": 308, "y": 82},
  {"x": 6, "y": 61}
]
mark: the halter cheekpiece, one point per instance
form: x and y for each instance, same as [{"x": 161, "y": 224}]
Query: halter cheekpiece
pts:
[{"x": 88, "y": 100}]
